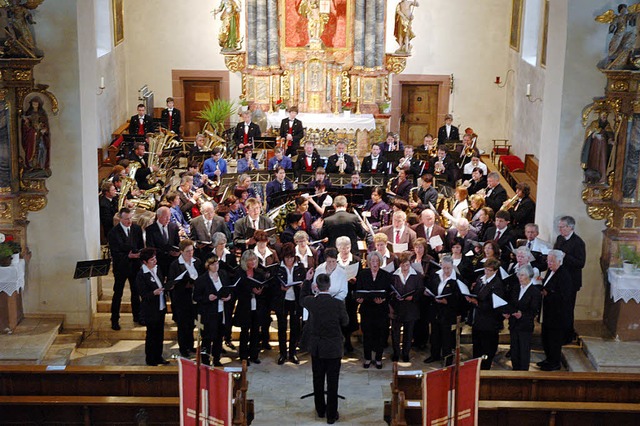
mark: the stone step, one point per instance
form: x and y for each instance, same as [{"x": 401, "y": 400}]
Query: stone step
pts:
[{"x": 575, "y": 360}]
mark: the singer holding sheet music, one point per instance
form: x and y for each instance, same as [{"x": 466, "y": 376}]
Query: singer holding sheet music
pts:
[
  {"x": 350, "y": 263},
  {"x": 268, "y": 265},
  {"x": 211, "y": 300},
  {"x": 372, "y": 293},
  {"x": 406, "y": 290},
  {"x": 153, "y": 308}
]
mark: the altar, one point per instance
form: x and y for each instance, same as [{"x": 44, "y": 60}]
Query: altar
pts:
[
  {"x": 319, "y": 121},
  {"x": 622, "y": 303},
  {"x": 11, "y": 287}
]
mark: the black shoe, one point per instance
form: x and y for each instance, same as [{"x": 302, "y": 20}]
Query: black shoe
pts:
[
  {"x": 281, "y": 359},
  {"x": 320, "y": 414},
  {"x": 550, "y": 367},
  {"x": 332, "y": 421},
  {"x": 541, "y": 363},
  {"x": 152, "y": 364},
  {"x": 231, "y": 346},
  {"x": 379, "y": 365},
  {"x": 395, "y": 358},
  {"x": 431, "y": 359},
  {"x": 256, "y": 361},
  {"x": 366, "y": 363},
  {"x": 294, "y": 359},
  {"x": 405, "y": 358},
  {"x": 163, "y": 361},
  {"x": 142, "y": 323},
  {"x": 266, "y": 346},
  {"x": 115, "y": 326}
]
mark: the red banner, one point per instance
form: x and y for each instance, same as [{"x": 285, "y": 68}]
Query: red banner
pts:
[
  {"x": 439, "y": 390},
  {"x": 216, "y": 388}
]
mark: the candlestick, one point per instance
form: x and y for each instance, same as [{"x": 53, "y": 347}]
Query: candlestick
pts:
[{"x": 528, "y": 89}]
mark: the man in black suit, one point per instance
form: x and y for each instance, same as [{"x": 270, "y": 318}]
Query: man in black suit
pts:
[
  {"x": 291, "y": 129},
  {"x": 125, "y": 243},
  {"x": 412, "y": 165},
  {"x": 463, "y": 230},
  {"x": 428, "y": 229},
  {"x": 556, "y": 315},
  {"x": 495, "y": 193},
  {"x": 503, "y": 235},
  {"x": 341, "y": 223},
  {"x": 523, "y": 210},
  {"x": 279, "y": 184},
  {"x": 138, "y": 155},
  {"x": 574, "y": 260},
  {"x": 374, "y": 163},
  {"x": 427, "y": 144},
  {"x": 308, "y": 161},
  {"x": 443, "y": 167},
  {"x": 340, "y": 162},
  {"x": 402, "y": 185},
  {"x": 108, "y": 204},
  {"x": 327, "y": 316},
  {"x": 448, "y": 132},
  {"x": 245, "y": 227},
  {"x": 390, "y": 144},
  {"x": 141, "y": 123},
  {"x": 153, "y": 309},
  {"x": 170, "y": 117},
  {"x": 246, "y": 131},
  {"x": 477, "y": 182},
  {"x": 164, "y": 237}
]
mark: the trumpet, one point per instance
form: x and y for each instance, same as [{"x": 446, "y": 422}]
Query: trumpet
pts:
[
  {"x": 507, "y": 205},
  {"x": 342, "y": 165},
  {"x": 402, "y": 163}
]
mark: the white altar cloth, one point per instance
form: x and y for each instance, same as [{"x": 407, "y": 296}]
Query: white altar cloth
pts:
[
  {"x": 624, "y": 286},
  {"x": 327, "y": 121},
  {"x": 12, "y": 277}
]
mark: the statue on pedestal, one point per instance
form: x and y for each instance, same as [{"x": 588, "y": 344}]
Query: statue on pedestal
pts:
[
  {"x": 19, "y": 40},
  {"x": 596, "y": 151},
  {"x": 402, "y": 30},
  {"x": 229, "y": 36},
  {"x": 36, "y": 140},
  {"x": 310, "y": 9}
]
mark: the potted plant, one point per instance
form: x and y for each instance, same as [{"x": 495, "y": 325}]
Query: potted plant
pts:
[
  {"x": 281, "y": 107},
  {"x": 385, "y": 107},
  {"x": 216, "y": 113},
  {"x": 346, "y": 109},
  {"x": 8, "y": 247},
  {"x": 630, "y": 258}
]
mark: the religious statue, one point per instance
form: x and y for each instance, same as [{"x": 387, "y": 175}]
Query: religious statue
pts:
[
  {"x": 316, "y": 19},
  {"x": 623, "y": 41},
  {"x": 596, "y": 151},
  {"x": 20, "y": 41},
  {"x": 402, "y": 30},
  {"x": 36, "y": 140},
  {"x": 229, "y": 36}
]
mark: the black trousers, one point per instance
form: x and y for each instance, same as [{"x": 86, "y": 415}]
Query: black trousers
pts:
[
  {"x": 421, "y": 327},
  {"x": 118, "y": 289},
  {"x": 290, "y": 311},
  {"x": 520, "y": 349},
  {"x": 442, "y": 338},
  {"x": 154, "y": 339},
  {"x": 328, "y": 368},
  {"x": 250, "y": 338},
  {"x": 184, "y": 315},
  {"x": 552, "y": 340},
  {"x": 407, "y": 336},
  {"x": 374, "y": 335},
  {"x": 228, "y": 311},
  {"x": 212, "y": 336},
  {"x": 485, "y": 343}
]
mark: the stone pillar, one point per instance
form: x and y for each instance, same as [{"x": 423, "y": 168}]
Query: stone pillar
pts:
[
  {"x": 380, "y": 32},
  {"x": 359, "y": 34},
  {"x": 370, "y": 34},
  {"x": 252, "y": 31},
  {"x": 273, "y": 31}
]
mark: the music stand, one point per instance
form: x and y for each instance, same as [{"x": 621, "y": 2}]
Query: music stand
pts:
[{"x": 91, "y": 268}]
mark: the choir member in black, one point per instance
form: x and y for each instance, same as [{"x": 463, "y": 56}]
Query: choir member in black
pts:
[
  {"x": 486, "y": 320},
  {"x": 153, "y": 307},
  {"x": 462, "y": 261},
  {"x": 251, "y": 306},
  {"x": 229, "y": 265},
  {"x": 306, "y": 255},
  {"x": 108, "y": 204},
  {"x": 125, "y": 243},
  {"x": 183, "y": 272},
  {"x": 287, "y": 302},
  {"x": 421, "y": 263},
  {"x": 380, "y": 241},
  {"x": 266, "y": 258},
  {"x": 164, "y": 237},
  {"x": 523, "y": 211},
  {"x": 486, "y": 225},
  {"x": 293, "y": 221},
  {"x": 211, "y": 308},
  {"x": 406, "y": 289},
  {"x": 402, "y": 185},
  {"x": 346, "y": 258},
  {"x": 374, "y": 311},
  {"x": 523, "y": 257},
  {"x": 524, "y": 304},
  {"x": 443, "y": 311}
]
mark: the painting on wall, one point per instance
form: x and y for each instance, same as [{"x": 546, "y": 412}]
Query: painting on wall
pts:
[
  {"x": 296, "y": 24},
  {"x": 118, "y": 22},
  {"x": 516, "y": 25},
  {"x": 545, "y": 34}
]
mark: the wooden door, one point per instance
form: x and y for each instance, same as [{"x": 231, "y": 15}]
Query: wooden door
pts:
[
  {"x": 419, "y": 109},
  {"x": 197, "y": 94}
]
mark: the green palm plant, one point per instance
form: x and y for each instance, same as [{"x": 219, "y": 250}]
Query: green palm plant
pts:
[{"x": 217, "y": 112}]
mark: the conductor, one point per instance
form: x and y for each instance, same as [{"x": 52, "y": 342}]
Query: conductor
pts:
[{"x": 327, "y": 316}]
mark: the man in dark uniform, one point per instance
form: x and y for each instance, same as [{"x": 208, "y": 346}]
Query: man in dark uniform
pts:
[
  {"x": 142, "y": 123},
  {"x": 246, "y": 131},
  {"x": 170, "y": 117},
  {"x": 308, "y": 161},
  {"x": 448, "y": 132},
  {"x": 291, "y": 129}
]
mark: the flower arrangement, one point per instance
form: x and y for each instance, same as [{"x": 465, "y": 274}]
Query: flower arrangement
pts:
[
  {"x": 280, "y": 104},
  {"x": 8, "y": 247},
  {"x": 347, "y": 106},
  {"x": 629, "y": 255},
  {"x": 385, "y": 107}
]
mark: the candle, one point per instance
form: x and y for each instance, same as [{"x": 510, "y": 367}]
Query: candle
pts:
[
  {"x": 273, "y": 86},
  {"x": 102, "y": 82},
  {"x": 497, "y": 79},
  {"x": 528, "y": 89},
  {"x": 337, "y": 87},
  {"x": 358, "y": 86},
  {"x": 291, "y": 85}
]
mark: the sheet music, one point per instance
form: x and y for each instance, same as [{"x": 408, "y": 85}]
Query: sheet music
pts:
[
  {"x": 390, "y": 267},
  {"x": 464, "y": 289},
  {"x": 497, "y": 301},
  {"x": 399, "y": 247},
  {"x": 417, "y": 267},
  {"x": 352, "y": 270},
  {"x": 435, "y": 241}
]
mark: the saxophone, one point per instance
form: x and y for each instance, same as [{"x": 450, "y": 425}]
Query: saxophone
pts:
[{"x": 413, "y": 194}]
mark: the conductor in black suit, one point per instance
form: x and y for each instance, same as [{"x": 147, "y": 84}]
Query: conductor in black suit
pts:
[
  {"x": 154, "y": 306},
  {"x": 125, "y": 243},
  {"x": 291, "y": 129},
  {"x": 448, "y": 132},
  {"x": 327, "y": 316},
  {"x": 495, "y": 193},
  {"x": 141, "y": 123},
  {"x": 163, "y": 236},
  {"x": 246, "y": 131},
  {"x": 341, "y": 223},
  {"x": 170, "y": 117}
]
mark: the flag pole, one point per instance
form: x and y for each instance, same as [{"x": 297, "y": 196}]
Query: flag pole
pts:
[
  {"x": 198, "y": 339},
  {"x": 456, "y": 373}
]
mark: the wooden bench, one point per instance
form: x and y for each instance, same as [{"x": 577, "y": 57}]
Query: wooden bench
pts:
[{"x": 528, "y": 175}]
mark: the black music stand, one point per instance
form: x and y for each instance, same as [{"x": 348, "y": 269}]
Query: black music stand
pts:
[{"x": 91, "y": 268}]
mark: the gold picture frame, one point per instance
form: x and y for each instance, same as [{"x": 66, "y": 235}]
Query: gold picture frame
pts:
[
  {"x": 516, "y": 25},
  {"x": 118, "y": 21}
]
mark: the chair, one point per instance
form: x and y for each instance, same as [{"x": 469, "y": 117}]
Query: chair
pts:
[{"x": 500, "y": 147}]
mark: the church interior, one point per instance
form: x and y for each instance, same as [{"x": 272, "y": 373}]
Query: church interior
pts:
[{"x": 528, "y": 80}]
